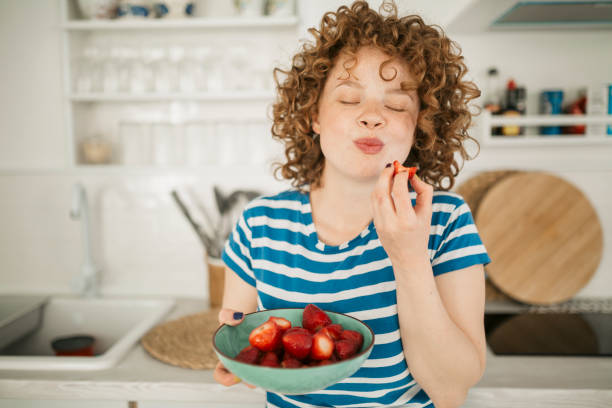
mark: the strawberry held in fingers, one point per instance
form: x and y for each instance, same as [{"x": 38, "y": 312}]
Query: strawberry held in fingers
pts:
[
  {"x": 314, "y": 318},
  {"x": 398, "y": 168},
  {"x": 266, "y": 337}
]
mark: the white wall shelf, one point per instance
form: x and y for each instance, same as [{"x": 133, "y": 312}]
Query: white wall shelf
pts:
[
  {"x": 185, "y": 23},
  {"x": 240, "y": 86},
  {"x": 487, "y": 122}
]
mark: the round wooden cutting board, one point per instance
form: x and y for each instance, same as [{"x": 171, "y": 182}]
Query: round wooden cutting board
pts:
[
  {"x": 473, "y": 191},
  {"x": 543, "y": 236}
]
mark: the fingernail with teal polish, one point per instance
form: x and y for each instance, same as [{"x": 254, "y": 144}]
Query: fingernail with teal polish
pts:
[
  {"x": 238, "y": 315},
  {"x": 388, "y": 165}
]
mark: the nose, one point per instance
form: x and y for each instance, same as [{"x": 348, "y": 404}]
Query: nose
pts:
[{"x": 371, "y": 118}]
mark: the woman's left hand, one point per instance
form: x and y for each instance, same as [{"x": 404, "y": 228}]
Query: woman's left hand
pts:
[{"x": 403, "y": 230}]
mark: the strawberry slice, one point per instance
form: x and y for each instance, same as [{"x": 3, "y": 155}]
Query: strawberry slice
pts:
[
  {"x": 297, "y": 342},
  {"x": 398, "y": 168},
  {"x": 290, "y": 362},
  {"x": 353, "y": 336},
  {"x": 333, "y": 331},
  {"x": 314, "y": 318},
  {"x": 270, "y": 359},
  {"x": 266, "y": 337},
  {"x": 249, "y": 355},
  {"x": 345, "y": 349},
  {"x": 322, "y": 346},
  {"x": 283, "y": 323}
]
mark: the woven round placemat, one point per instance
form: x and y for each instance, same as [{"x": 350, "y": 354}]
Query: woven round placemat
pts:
[
  {"x": 473, "y": 191},
  {"x": 185, "y": 342}
]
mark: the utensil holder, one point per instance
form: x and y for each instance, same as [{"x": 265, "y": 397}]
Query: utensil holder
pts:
[{"x": 216, "y": 280}]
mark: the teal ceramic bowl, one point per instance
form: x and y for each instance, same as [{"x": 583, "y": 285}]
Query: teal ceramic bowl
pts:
[{"x": 229, "y": 340}]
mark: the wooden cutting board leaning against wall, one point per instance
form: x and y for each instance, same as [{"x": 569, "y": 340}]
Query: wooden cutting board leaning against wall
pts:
[
  {"x": 473, "y": 191},
  {"x": 543, "y": 236}
]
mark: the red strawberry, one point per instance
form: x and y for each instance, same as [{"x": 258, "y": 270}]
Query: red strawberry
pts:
[
  {"x": 353, "y": 336},
  {"x": 249, "y": 355},
  {"x": 325, "y": 362},
  {"x": 266, "y": 337},
  {"x": 333, "y": 331},
  {"x": 270, "y": 359},
  {"x": 297, "y": 342},
  {"x": 290, "y": 362},
  {"x": 322, "y": 346},
  {"x": 398, "y": 168},
  {"x": 314, "y": 318},
  {"x": 283, "y": 323},
  {"x": 345, "y": 349}
]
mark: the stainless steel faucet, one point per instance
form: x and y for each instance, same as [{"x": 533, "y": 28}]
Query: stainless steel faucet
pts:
[{"x": 87, "y": 282}]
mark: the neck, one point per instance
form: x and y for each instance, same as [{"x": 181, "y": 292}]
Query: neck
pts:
[{"x": 342, "y": 201}]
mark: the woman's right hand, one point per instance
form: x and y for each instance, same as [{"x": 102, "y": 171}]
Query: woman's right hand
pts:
[{"x": 221, "y": 374}]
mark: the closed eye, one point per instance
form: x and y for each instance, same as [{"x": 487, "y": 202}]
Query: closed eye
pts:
[
  {"x": 395, "y": 109},
  {"x": 349, "y": 102}
]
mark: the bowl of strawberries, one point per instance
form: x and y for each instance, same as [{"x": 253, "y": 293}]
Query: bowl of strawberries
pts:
[{"x": 294, "y": 351}]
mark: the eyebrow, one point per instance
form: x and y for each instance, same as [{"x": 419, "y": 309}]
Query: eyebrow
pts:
[
  {"x": 354, "y": 84},
  {"x": 350, "y": 83}
]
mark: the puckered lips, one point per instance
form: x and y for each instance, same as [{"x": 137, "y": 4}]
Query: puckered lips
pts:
[{"x": 369, "y": 145}]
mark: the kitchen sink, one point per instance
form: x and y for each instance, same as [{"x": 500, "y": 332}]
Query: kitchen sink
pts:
[{"x": 117, "y": 324}]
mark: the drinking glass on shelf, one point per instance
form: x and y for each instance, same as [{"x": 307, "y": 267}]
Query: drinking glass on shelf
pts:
[
  {"x": 224, "y": 143},
  {"x": 176, "y": 56},
  {"x": 187, "y": 67},
  {"x": 110, "y": 82},
  {"x": 125, "y": 56},
  {"x": 234, "y": 65},
  {"x": 89, "y": 70},
  {"x": 211, "y": 143},
  {"x": 141, "y": 71},
  {"x": 195, "y": 144},
  {"x": 135, "y": 143},
  {"x": 257, "y": 142},
  {"x": 202, "y": 67},
  {"x": 165, "y": 73},
  {"x": 168, "y": 144}
]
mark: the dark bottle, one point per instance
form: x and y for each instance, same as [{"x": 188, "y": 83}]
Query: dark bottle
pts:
[{"x": 514, "y": 106}]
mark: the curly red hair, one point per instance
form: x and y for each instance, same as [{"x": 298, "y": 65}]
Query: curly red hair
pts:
[{"x": 434, "y": 61}]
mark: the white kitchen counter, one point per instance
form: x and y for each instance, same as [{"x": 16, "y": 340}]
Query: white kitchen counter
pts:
[{"x": 508, "y": 381}]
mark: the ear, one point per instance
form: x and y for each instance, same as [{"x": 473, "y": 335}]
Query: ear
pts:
[{"x": 316, "y": 126}]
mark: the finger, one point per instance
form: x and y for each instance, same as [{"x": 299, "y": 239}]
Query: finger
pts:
[
  {"x": 230, "y": 317},
  {"x": 424, "y": 196},
  {"x": 223, "y": 376},
  {"x": 401, "y": 196},
  {"x": 382, "y": 191}
]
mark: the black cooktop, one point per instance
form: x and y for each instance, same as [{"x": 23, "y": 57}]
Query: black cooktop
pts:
[{"x": 550, "y": 334}]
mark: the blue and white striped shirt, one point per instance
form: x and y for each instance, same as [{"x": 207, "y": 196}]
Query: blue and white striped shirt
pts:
[{"x": 275, "y": 247}]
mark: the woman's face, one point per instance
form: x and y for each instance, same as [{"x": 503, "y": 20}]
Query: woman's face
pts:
[{"x": 365, "y": 122}]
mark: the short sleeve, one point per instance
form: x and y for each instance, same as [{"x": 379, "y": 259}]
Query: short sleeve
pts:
[
  {"x": 460, "y": 245},
  {"x": 237, "y": 251}
]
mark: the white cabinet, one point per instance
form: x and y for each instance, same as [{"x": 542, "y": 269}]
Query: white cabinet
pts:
[{"x": 184, "y": 93}]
